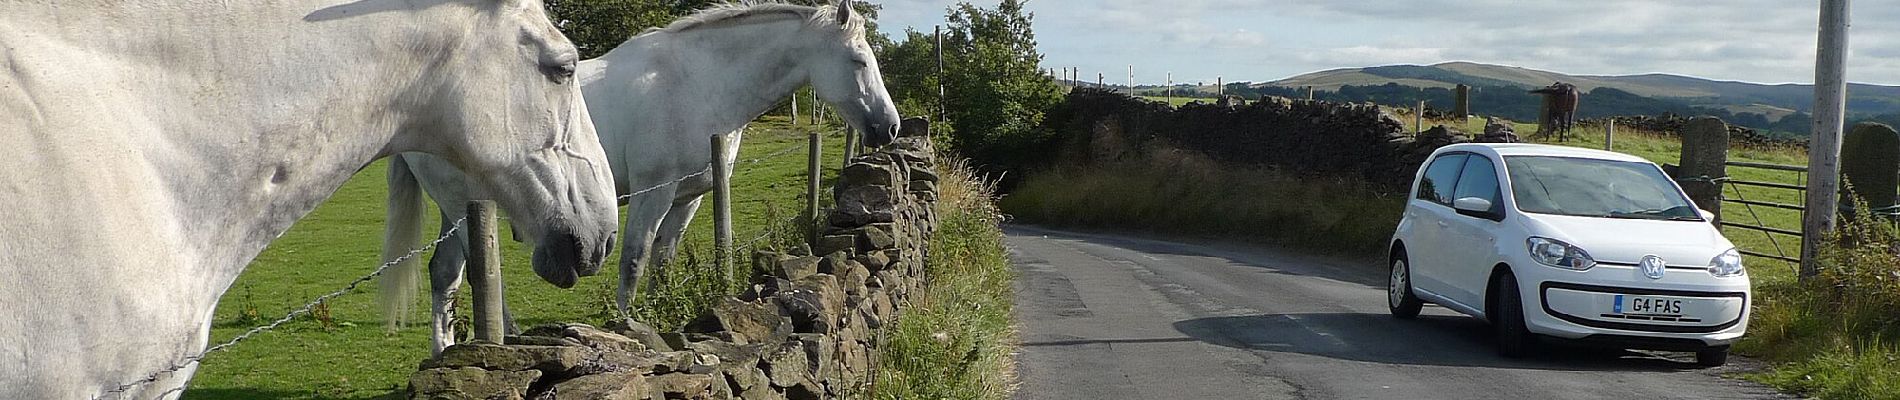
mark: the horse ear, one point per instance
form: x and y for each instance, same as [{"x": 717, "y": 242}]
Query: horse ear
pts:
[{"x": 844, "y": 12}]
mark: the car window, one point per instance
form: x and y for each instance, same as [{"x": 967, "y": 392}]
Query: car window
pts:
[
  {"x": 1480, "y": 180},
  {"x": 1440, "y": 176},
  {"x": 1596, "y": 188}
]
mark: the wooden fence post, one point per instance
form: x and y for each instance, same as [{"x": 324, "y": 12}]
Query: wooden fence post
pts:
[
  {"x": 1418, "y": 118},
  {"x": 813, "y": 154},
  {"x": 484, "y": 275},
  {"x": 722, "y": 207},
  {"x": 1461, "y": 105},
  {"x": 794, "y": 109},
  {"x": 1609, "y": 135},
  {"x": 850, "y": 146}
]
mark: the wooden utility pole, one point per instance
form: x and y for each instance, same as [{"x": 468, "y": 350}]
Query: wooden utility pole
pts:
[
  {"x": 484, "y": 275},
  {"x": 1170, "y": 87},
  {"x": 1131, "y": 80},
  {"x": 1824, "y": 148},
  {"x": 1220, "y": 87},
  {"x": 943, "y": 107}
]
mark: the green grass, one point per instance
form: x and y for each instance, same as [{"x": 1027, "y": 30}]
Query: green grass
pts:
[
  {"x": 1178, "y": 101},
  {"x": 955, "y": 340},
  {"x": 345, "y": 353}
]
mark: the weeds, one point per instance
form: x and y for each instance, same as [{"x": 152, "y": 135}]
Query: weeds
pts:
[
  {"x": 955, "y": 340},
  {"x": 1831, "y": 333}
]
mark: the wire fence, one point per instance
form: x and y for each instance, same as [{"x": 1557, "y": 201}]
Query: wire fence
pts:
[{"x": 120, "y": 390}]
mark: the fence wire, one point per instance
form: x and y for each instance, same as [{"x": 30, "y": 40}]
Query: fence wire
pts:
[{"x": 120, "y": 390}]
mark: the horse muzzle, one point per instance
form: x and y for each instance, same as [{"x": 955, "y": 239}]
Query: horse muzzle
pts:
[{"x": 563, "y": 257}]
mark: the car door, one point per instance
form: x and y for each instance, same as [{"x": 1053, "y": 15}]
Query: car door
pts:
[
  {"x": 1470, "y": 241},
  {"x": 1428, "y": 211}
]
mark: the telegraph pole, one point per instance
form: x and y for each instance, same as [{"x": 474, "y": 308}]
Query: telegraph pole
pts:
[{"x": 1824, "y": 148}]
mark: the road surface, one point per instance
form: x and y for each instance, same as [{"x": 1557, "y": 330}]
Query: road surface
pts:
[{"x": 1115, "y": 317}]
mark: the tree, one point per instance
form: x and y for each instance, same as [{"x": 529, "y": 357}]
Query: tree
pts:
[{"x": 997, "y": 92}]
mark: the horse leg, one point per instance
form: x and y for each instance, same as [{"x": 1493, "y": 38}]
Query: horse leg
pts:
[
  {"x": 672, "y": 229},
  {"x": 644, "y": 214},
  {"x": 445, "y": 274}
]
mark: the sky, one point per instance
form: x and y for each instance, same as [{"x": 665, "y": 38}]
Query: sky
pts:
[{"x": 1761, "y": 41}]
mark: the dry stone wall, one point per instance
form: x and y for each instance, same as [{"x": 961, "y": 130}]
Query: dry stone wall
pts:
[
  {"x": 807, "y": 329},
  {"x": 1298, "y": 136}
]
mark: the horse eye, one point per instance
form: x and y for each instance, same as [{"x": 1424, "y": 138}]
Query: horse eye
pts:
[
  {"x": 861, "y": 62},
  {"x": 559, "y": 72}
]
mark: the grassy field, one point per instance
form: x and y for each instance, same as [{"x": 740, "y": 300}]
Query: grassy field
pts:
[{"x": 343, "y": 351}]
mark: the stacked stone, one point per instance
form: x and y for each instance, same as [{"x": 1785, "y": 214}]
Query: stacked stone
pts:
[
  {"x": 1674, "y": 124},
  {"x": 806, "y": 330},
  {"x": 1497, "y": 131}
]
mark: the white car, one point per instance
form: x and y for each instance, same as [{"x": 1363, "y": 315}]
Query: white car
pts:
[{"x": 1575, "y": 244}]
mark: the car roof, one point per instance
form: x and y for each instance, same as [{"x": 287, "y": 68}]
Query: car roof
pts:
[{"x": 1531, "y": 149}]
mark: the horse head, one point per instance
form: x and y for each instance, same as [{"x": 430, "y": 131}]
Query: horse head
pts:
[
  {"x": 844, "y": 71},
  {"x": 508, "y": 113}
]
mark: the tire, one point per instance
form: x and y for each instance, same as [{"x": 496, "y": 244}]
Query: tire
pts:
[
  {"x": 1513, "y": 339},
  {"x": 1712, "y": 357},
  {"x": 1398, "y": 291}
]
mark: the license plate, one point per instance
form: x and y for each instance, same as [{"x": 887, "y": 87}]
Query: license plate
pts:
[{"x": 1625, "y": 304}]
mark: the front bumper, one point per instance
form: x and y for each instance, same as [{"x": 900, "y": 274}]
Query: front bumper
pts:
[{"x": 1585, "y": 304}]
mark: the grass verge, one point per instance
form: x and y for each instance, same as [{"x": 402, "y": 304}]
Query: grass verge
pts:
[
  {"x": 1179, "y": 192},
  {"x": 955, "y": 340}
]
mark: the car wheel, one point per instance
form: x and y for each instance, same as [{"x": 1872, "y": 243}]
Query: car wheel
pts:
[
  {"x": 1399, "y": 297},
  {"x": 1513, "y": 339},
  {"x": 1712, "y": 357}
]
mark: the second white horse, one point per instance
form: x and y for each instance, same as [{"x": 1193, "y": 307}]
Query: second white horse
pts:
[{"x": 655, "y": 101}]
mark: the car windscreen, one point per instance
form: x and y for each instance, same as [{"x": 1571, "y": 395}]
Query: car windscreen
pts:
[{"x": 1595, "y": 188}]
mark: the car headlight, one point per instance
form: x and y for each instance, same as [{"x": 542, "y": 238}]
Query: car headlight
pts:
[
  {"x": 1728, "y": 264},
  {"x": 1558, "y": 254}
]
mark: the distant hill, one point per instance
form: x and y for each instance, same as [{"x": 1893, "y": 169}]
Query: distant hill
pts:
[{"x": 1771, "y": 101}]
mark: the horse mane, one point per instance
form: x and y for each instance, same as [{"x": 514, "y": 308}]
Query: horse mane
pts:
[{"x": 734, "y": 11}]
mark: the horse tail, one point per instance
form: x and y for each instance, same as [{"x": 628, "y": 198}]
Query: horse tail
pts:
[{"x": 401, "y": 231}]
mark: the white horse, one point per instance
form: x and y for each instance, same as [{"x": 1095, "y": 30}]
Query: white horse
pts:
[
  {"x": 149, "y": 151},
  {"x": 656, "y": 100}
]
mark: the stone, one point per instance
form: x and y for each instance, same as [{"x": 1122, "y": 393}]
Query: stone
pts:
[
  {"x": 518, "y": 340},
  {"x": 813, "y": 304},
  {"x": 797, "y": 268},
  {"x": 875, "y": 237},
  {"x": 640, "y": 332},
  {"x": 914, "y": 127},
  {"x": 749, "y": 322},
  {"x": 610, "y": 386},
  {"x": 688, "y": 386},
  {"x": 729, "y": 354},
  {"x": 1704, "y": 155},
  {"x": 761, "y": 393},
  {"x": 786, "y": 365},
  {"x": 804, "y": 391},
  {"x": 470, "y": 383},
  {"x": 860, "y": 205},
  {"x": 553, "y": 360},
  {"x": 819, "y": 353},
  {"x": 854, "y": 278},
  {"x": 747, "y": 377},
  {"x": 1870, "y": 164},
  {"x": 874, "y": 260},
  {"x": 589, "y": 336},
  {"x": 835, "y": 243},
  {"x": 866, "y": 173},
  {"x": 833, "y": 263}
]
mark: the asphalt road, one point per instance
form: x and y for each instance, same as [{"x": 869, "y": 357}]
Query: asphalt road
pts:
[{"x": 1116, "y": 317}]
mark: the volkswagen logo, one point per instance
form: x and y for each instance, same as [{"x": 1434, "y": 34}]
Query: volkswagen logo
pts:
[{"x": 1652, "y": 266}]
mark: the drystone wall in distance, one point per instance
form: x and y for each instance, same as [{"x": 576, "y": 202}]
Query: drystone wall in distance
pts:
[{"x": 807, "y": 329}]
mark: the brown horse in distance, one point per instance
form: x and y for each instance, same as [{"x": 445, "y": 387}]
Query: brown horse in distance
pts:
[{"x": 1563, "y": 99}]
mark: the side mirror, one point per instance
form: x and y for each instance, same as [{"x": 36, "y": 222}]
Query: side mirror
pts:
[
  {"x": 1475, "y": 207},
  {"x": 1706, "y": 215}
]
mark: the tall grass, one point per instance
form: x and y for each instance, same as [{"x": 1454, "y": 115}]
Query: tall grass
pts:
[
  {"x": 1834, "y": 332},
  {"x": 1180, "y": 192},
  {"x": 954, "y": 341}
]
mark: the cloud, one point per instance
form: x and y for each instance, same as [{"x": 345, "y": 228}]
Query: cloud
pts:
[{"x": 1770, "y": 41}]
